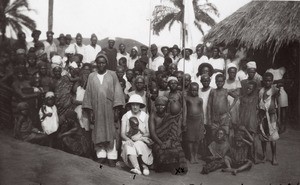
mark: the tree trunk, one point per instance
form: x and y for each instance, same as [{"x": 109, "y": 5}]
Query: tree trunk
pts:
[{"x": 50, "y": 15}]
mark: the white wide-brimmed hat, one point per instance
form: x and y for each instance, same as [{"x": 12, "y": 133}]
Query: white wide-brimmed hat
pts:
[{"x": 135, "y": 98}]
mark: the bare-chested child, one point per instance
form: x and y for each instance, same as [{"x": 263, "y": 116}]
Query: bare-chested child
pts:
[
  {"x": 177, "y": 104},
  {"x": 218, "y": 111},
  {"x": 194, "y": 121}
]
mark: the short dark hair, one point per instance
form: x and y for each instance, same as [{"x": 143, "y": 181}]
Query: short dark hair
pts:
[
  {"x": 268, "y": 74},
  {"x": 194, "y": 84},
  {"x": 252, "y": 83}
]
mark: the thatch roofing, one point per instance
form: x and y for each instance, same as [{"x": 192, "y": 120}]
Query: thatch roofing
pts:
[{"x": 259, "y": 24}]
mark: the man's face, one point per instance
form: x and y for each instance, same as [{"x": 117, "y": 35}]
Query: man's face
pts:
[
  {"x": 220, "y": 82},
  {"x": 57, "y": 72},
  {"x": 165, "y": 51},
  {"x": 251, "y": 73},
  {"x": 111, "y": 43},
  {"x": 122, "y": 48},
  {"x": 232, "y": 73},
  {"x": 62, "y": 41},
  {"x": 22, "y": 37},
  {"x": 101, "y": 65},
  {"x": 123, "y": 85},
  {"x": 129, "y": 75},
  {"x": 172, "y": 69},
  {"x": 164, "y": 83},
  {"x": 179, "y": 76},
  {"x": 194, "y": 90},
  {"x": 173, "y": 85},
  {"x": 94, "y": 41},
  {"x": 133, "y": 52},
  {"x": 175, "y": 52},
  {"x": 187, "y": 53},
  {"x": 268, "y": 81},
  {"x": 154, "y": 93},
  {"x": 187, "y": 80},
  {"x": 140, "y": 84},
  {"x": 199, "y": 51},
  {"x": 120, "y": 72},
  {"x": 49, "y": 37},
  {"x": 79, "y": 40},
  {"x": 215, "y": 53},
  {"x": 31, "y": 61},
  {"x": 43, "y": 70},
  {"x": 68, "y": 41},
  {"x": 220, "y": 135},
  {"x": 205, "y": 81},
  {"x": 205, "y": 70},
  {"x": 144, "y": 52},
  {"x": 36, "y": 37},
  {"x": 154, "y": 52}
]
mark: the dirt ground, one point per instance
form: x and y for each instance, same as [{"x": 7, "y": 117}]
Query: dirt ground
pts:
[{"x": 27, "y": 164}]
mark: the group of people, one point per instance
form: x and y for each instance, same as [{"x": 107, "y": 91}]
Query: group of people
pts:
[{"x": 152, "y": 112}]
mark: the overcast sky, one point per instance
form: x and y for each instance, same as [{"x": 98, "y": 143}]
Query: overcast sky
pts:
[{"x": 119, "y": 18}]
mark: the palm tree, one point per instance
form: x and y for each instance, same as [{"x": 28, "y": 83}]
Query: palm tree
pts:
[
  {"x": 12, "y": 15},
  {"x": 50, "y": 15},
  {"x": 163, "y": 15}
]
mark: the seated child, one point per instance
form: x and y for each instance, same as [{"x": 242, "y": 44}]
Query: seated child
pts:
[
  {"x": 237, "y": 159},
  {"x": 218, "y": 150},
  {"x": 24, "y": 129},
  {"x": 135, "y": 133},
  {"x": 194, "y": 121},
  {"x": 48, "y": 114}
]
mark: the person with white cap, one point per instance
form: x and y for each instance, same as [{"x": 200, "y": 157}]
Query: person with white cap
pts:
[
  {"x": 111, "y": 54},
  {"x": 133, "y": 58},
  {"x": 252, "y": 75},
  {"x": 50, "y": 46},
  {"x": 62, "y": 46},
  {"x": 122, "y": 52},
  {"x": 186, "y": 64},
  {"x": 92, "y": 50},
  {"x": 233, "y": 85},
  {"x": 48, "y": 114},
  {"x": 135, "y": 148},
  {"x": 102, "y": 101}
]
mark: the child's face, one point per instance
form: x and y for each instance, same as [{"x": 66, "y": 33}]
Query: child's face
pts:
[
  {"x": 250, "y": 89},
  {"x": 220, "y": 82},
  {"x": 205, "y": 82},
  {"x": 50, "y": 101},
  {"x": 179, "y": 76},
  {"x": 220, "y": 135},
  {"x": 172, "y": 68},
  {"x": 43, "y": 70},
  {"x": 187, "y": 80},
  {"x": 123, "y": 63},
  {"x": 140, "y": 84},
  {"x": 251, "y": 73},
  {"x": 160, "y": 107},
  {"x": 205, "y": 70},
  {"x": 232, "y": 73},
  {"x": 164, "y": 83},
  {"x": 268, "y": 81},
  {"x": 173, "y": 85},
  {"x": 134, "y": 124},
  {"x": 194, "y": 90}
]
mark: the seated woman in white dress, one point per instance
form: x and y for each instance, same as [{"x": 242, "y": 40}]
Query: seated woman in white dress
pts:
[{"x": 135, "y": 150}]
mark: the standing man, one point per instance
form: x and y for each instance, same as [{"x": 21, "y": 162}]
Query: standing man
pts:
[
  {"x": 92, "y": 50},
  {"x": 155, "y": 60},
  {"x": 102, "y": 99},
  {"x": 133, "y": 58},
  {"x": 111, "y": 54},
  {"x": 77, "y": 47},
  {"x": 62, "y": 45},
  {"x": 144, "y": 56},
  {"x": 122, "y": 53},
  {"x": 68, "y": 39},
  {"x": 36, "y": 36},
  {"x": 50, "y": 46},
  {"x": 187, "y": 64},
  {"x": 21, "y": 42}
]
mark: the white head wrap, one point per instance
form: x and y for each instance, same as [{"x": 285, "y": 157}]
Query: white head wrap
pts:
[
  {"x": 251, "y": 64},
  {"x": 74, "y": 65}
]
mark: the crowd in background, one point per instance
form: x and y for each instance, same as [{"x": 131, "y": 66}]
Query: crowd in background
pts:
[{"x": 148, "y": 111}]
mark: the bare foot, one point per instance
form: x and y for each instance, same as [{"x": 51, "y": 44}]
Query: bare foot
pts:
[
  {"x": 274, "y": 162},
  {"x": 227, "y": 170}
]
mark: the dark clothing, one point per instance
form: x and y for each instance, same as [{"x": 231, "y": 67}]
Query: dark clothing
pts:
[{"x": 112, "y": 58}]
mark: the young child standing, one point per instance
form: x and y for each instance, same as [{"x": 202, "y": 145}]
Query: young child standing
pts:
[
  {"x": 48, "y": 114},
  {"x": 218, "y": 110},
  {"x": 267, "y": 116},
  {"x": 194, "y": 121}
]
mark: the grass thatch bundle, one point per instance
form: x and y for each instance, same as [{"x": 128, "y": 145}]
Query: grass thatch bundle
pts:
[{"x": 259, "y": 24}]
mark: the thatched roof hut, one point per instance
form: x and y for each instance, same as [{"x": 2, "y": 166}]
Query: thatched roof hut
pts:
[{"x": 259, "y": 25}]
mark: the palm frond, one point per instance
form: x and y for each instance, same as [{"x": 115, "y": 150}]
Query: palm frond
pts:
[
  {"x": 23, "y": 18},
  {"x": 202, "y": 16},
  {"x": 178, "y": 18},
  {"x": 15, "y": 25},
  {"x": 178, "y": 4},
  {"x": 198, "y": 25},
  {"x": 160, "y": 25}
]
